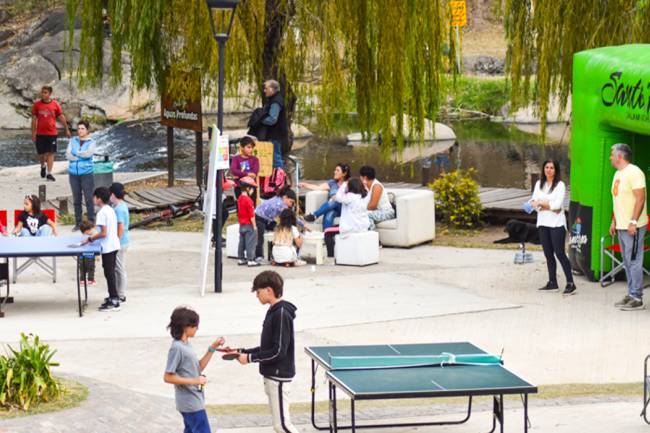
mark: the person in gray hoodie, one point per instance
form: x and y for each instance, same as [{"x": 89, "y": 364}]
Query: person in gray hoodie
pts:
[{"x": 80, "y": 153}]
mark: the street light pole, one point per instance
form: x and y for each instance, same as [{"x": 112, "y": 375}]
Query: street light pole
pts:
[{"x": 218, "y": 258}]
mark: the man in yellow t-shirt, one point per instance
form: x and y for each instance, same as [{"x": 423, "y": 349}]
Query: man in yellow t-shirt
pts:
[{"x": 629, "y": 222}]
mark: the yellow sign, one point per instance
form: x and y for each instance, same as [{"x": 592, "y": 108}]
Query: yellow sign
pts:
[
  {"x": 458, "y": 13},
  {"x": 264, "y": 152}
]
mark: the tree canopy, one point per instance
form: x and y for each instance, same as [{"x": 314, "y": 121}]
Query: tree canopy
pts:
[
  {"x": 543, "y": 35},
  {"x": 381, "y": 58}
]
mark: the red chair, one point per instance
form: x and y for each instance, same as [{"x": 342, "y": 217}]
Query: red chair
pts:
[
  {"x": 50, "y": 269},
  {"x": 3, "y": 222}
]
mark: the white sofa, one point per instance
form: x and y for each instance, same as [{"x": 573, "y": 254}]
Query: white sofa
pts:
[{"x": 415, "y": 222}]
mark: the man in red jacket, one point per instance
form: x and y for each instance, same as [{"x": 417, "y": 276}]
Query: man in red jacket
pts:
[{"x": 45, "y": 112}]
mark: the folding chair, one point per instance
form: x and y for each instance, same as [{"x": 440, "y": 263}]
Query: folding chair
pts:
[
  {"x": 610, "y": 251},
  {"x": 50, "y": 269}
]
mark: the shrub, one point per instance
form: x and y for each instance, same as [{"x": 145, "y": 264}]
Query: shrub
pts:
[
  {"x": 457, "y": 200},
  {"x": 25, "y": 376}
]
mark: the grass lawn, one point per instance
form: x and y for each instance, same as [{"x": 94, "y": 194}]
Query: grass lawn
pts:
[{"x": 74, "y": 394}]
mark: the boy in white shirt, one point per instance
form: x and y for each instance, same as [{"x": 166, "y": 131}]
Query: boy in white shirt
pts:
[{"x": 106, "y": 223}]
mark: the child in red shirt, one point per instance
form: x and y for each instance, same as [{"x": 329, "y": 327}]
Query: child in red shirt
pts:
[{"x": 247, "y": 228}]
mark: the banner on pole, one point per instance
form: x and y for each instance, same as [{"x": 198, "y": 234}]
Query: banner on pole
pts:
[
  {"x": 458, "y": 13},
  {"x": 223, "y": 152},
  {"x": 209, "y": 205}
]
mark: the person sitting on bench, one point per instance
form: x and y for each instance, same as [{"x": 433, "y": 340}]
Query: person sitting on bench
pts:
[
  {"x": 32, "y": 222},
  {"x": 354, "y": 212}
]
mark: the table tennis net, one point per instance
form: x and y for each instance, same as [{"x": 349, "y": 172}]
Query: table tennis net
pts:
[{"x": 403, "y": 361}]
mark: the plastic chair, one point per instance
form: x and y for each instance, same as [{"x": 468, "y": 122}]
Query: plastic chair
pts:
[
  {"x": 50, "y": 269},
  {"x": 610, "y": 251}
]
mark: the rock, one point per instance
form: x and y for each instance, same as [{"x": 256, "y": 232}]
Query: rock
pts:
[
  {"x": 28, "y": 74},
  {"x": 484, "y": 65},
  {"x": 5, "y": 35},
  {"x": 14, "y": 112},
  {"x": 528, "y": 115},
  {"x": 432, "y": 131}
]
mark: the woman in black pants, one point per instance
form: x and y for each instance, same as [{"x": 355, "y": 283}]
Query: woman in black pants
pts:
[{"x": 548, "y": 200}]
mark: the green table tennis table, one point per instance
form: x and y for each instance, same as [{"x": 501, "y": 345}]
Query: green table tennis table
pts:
[{"x": 401, "y": 371}]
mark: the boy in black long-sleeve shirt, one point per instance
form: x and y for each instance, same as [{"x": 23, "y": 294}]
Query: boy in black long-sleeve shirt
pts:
[{"x": 275, "y": 354}]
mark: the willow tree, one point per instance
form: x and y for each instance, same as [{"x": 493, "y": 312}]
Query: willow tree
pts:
[
  {"x": 382, "y": 58},
  {"x": 543, "y": 35}
]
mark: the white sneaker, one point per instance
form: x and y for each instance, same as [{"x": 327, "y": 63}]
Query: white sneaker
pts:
[
  {"x": 252, "y": 264},
  {"x": 299, "y": 263}
]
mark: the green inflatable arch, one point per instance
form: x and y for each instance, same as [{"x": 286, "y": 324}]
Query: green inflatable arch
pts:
[{"x": 610, "y": 104}]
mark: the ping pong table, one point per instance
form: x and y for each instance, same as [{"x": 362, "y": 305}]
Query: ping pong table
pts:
[
  {"x": 402, "y": 371},
  {"x": 48, "y": 246}
]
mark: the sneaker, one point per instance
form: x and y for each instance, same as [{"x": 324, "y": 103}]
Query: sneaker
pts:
[
  {"x": 634, "y": 304},
  {"x": 253, "y": 263},
  {"x": 623, "y": 301},
  {"x": 43, "y": 171},
  {"x": 310, "y": 218},
  {"x": 300, "y": 262},
  {"x": 75, "y": 228},
  {"x": 549, "y": 287},
  {"x": 50, "y": 178},
  {"x": 570, "y": 289},
  {"x": 259, "y": 260},
  {"x": 122, "y": 299},
  {"x": 241, "y": 262},
  {"x": 89, "y": 282},
  {"x": 110, "y": 305}
]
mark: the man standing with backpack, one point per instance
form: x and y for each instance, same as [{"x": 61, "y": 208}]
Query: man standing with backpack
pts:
[{"x": 45, "y": 113}]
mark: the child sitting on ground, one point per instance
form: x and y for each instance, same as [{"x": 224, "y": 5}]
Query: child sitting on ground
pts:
[
  {"x": 287, "y": 240},
  {"x": 87, "y": 262},
  {"x": 184, "y": 370},
  {"x": 247, "y": 228}
]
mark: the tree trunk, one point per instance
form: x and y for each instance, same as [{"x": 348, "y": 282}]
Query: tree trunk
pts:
[{"x": 277, "y": 16}]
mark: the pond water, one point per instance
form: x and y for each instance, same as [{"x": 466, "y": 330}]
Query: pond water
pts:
[{"x": 502, "y": 155}]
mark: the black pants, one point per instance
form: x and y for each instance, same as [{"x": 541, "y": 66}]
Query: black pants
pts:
[
  {"x": 224, "y": 217},
  {"x": 87, "y": 264},
  {"x": 108, "y": 263},
  {"x": 329, "y": 243},
  {"x": 84, "y": 184},
  {"x": 553, "y": 243},
  {"x": 262, "y": 226}
]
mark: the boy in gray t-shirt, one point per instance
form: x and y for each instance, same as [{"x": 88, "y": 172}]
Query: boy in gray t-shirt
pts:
[{"x": 184, "y": 369}]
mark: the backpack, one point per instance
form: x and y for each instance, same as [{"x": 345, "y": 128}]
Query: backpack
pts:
[{"x": 273, "y": 184}]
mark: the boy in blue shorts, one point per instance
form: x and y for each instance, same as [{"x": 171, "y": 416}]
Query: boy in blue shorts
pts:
[{"x": 184, "y": 370}]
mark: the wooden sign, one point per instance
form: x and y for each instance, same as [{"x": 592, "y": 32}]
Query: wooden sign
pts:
[
  {"x": 181, "y": 114},
  {"x": 458, "y": 13},
  {"x": 264, "y": 152}
]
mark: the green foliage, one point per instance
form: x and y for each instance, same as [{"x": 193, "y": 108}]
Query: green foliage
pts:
[
  {"x": 487, "y": 95},
  {"x": 544, "y": 35},
  {"x": 25, "y": 376},
  {"x": 387, "y": 53},
  {"x": 457, "y": 200}
]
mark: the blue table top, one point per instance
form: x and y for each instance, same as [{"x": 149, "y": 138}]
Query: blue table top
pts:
[{"x": 46, "y": 246}]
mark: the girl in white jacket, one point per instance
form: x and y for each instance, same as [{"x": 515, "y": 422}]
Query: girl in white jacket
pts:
[{"x": 354, "y": 212}]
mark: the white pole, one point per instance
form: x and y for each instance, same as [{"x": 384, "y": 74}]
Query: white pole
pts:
[{"x": 209, "y": 205}]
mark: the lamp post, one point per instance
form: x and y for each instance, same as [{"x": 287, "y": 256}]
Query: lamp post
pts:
[{"x": 222, "y": 15}]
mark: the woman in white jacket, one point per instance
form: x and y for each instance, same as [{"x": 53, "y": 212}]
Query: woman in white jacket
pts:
[
  {"x": 548, "y": 200},
  {"x": 354, "y": 212}
]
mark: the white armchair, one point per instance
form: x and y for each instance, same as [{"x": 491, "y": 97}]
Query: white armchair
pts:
[
  {"x": 416, "y": 219},
  {"x": 415, "y": 223}
]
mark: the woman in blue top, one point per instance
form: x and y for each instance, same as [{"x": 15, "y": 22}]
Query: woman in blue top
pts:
[
  {"x": 80, "y": 153},
  {"x": 331, "y": 209}
]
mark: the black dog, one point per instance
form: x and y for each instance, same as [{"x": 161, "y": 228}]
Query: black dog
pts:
[{"x": 520, "y": 232}]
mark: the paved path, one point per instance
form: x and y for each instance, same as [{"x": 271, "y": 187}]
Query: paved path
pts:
[{"x": 110, "y": 408}]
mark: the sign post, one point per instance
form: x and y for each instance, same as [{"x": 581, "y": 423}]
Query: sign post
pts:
[
  {"x": 185, "y": 115},
  {"x": 458, "y": 19}
]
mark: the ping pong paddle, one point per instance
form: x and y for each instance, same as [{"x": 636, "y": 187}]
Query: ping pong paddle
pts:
[
  {"x": 230, "y": 356},
  {"x": 226, "y": 349}
]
